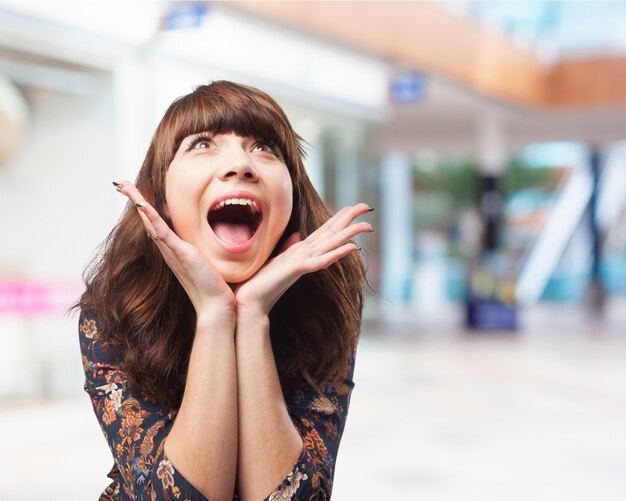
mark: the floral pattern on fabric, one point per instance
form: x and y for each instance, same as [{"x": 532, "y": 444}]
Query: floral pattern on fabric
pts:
[
  {"x": 320, "y": 419},
  {"x": 136, "y": 427}
]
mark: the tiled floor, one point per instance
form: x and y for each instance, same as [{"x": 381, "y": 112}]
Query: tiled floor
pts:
[{"x": 437, "y": 414}]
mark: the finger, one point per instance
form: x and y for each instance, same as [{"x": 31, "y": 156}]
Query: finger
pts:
[
  {"x": 324, "y": 227},
  {"x": 161, "y": 231},
  {"x": 335, "y": 240},
  {"x": 345, "y": 218},
  {"x": 148, "y": 225},
  {"x": 325, "y": 260},
  {"x": 340, "y": 220},
  {"x": 172, "y": 248},
  {"x": 157, "y": 227},
  {"x": 130, "y": 190},
  {"x": 127, "y": 188}
]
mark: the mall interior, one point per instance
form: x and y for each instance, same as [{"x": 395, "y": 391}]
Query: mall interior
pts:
[{"x": 490, "y": 137}]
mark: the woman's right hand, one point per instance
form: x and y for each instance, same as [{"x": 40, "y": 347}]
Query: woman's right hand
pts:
[{"x": 206, "y": 288}]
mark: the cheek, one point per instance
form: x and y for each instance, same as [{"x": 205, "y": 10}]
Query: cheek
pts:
[
  {"x": 181, "y": 197},
  {"x": 287, "y": 200}
]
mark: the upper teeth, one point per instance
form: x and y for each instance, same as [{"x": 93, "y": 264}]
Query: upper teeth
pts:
[{"x": 238, "y": 201}]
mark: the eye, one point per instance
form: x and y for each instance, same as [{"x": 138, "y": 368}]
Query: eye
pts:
[
  {"x": 267, "y": 147},
  {"x": 201, "y": 142}
]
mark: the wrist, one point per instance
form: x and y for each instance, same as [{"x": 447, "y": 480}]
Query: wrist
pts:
[
  {"x": 215, "y": 314},
  {"x": 251, "y": 328},
  {"x": 251, "y": 316}
]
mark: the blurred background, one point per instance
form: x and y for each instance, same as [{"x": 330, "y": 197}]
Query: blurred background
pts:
[{"x": 489, "y": 136}]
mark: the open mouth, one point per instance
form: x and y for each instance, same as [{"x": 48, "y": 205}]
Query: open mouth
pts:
[{"x": 235, "y": 220}]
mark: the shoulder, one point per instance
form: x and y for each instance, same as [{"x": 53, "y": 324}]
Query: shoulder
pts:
[
  {"x": 88, "y": 324},
  {"x": 94, "y": 344}
]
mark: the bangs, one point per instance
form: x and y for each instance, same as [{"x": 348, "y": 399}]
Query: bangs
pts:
[{"x": 208, "y": 110}]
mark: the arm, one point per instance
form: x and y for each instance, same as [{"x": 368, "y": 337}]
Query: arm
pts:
[
  {"x": 269, "y": 442},
  {"x": 320, "y": 418},
  {"x": 202, "y": 442},
  {"x": 297, "y": 456}
]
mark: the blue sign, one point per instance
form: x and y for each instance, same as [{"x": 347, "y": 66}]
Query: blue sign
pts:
[
  {"x": 407, "y": 88},
  {"x": 181, "y": 15}
]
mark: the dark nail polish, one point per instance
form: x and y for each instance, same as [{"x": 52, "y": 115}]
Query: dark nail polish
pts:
[
  {"x": 371, "y": 230},
  {"x": 359, "y": 248},
  {"x": 370, "y": 210},
  {"x": 116, "y": 184},
  {"x": 138, "y": 205}
]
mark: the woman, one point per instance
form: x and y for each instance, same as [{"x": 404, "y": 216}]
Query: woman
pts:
[{"x": 220, "y": 322}]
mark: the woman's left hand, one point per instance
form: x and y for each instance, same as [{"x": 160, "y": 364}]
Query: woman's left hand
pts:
[{"x": 323, "y": 247}]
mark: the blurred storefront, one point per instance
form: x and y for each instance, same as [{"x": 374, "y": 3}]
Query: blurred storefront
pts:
[{"x": 457, "y": 159}]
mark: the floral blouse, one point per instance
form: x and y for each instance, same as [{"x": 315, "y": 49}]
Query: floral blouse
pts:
[{"x": 136, "y": 427}]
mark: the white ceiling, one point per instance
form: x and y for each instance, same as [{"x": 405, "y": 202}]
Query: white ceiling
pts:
[{"x": 450, "y": 117}]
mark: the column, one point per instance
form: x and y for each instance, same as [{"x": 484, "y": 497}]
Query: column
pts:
[
  {"x": 595, "y": 294},
  {"x": 347, "y": 186},
  {"x": 396, "y": 186},
  {"x": 491, "y": 159}
]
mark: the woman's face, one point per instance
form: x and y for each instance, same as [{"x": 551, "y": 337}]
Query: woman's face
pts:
[{"x": 231, "y": 197}]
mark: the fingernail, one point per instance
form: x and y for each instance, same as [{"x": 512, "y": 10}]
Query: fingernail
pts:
[
  {"x": 370, "y": 210},
  {"x": 359, "y": 248},
  {"x": 371, "y": 230},
  {"x": 116, "y": 184},
  {"x": 139, "y": 205}
]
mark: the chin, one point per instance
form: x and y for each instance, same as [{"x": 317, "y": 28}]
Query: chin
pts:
[
  {"x": 231, "y": 276},
  {"x": 232, "y": 271}
]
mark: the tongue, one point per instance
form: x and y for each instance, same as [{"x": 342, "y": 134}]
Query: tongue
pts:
[{"x": 232, "y": 233}]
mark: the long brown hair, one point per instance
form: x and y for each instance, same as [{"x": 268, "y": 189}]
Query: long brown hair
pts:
[{"x": 144, "y": 314}]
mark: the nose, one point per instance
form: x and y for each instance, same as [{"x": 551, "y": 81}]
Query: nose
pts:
[{"x": 239, "y": 166}]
